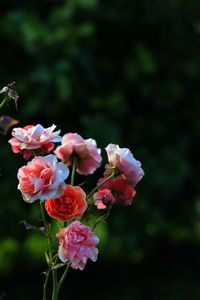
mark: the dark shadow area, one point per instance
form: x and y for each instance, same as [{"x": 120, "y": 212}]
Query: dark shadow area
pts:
[{"x": 124, "y": 72}]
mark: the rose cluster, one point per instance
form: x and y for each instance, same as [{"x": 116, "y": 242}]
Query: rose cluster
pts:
[{"x": 44, "y": 178}]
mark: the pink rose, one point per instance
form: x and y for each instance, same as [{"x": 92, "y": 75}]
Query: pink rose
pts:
[
  {"x": 102, "y": 198},
  {"x": 42, "y": 178},
  {"x": 77, "y": 244},
  {"x": 34, "y": 140},
  {"x": 86, "y": 152},
  {"x": 122, "y": 192},
  {"x": 122, "y": 160}
]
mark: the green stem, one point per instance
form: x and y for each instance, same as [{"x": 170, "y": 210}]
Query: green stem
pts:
[
  {"x": 73, "y": 170},
  {"x": 63, "y": 276},
  {"x": 46, "y": 229},
  {"x": 100, "y": 184},
  {"x": 3, "y": 102},
  {"x": 43, "y": 214},
  {"x": 55, "y": 285},
  {"x": 72, "y": 176},
  {"x": 102, "y": 218},
  {"x": 45, "y": 284},
  {"x": 49, "y": 248},
  {"x": 54, "y": 272}
]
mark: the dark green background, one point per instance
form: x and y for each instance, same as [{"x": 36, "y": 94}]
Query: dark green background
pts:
[{"x": 125, "y": 72}]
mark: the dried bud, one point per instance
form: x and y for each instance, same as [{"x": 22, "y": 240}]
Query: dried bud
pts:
[{"x": 11, "y": 93}]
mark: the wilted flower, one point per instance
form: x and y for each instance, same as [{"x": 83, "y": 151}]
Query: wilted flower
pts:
[
  {"x": 121, "y": 160},
  {"x": 77, "y": 244},
  {"x": 42, "y": 178},
  {"x": 10, "y": 92},
  {"x": 34, "y": 140},
  {"x": 122, "y": 192},
  {"x": 71, "y": 205},
  {"x": 88, "y": 156},
  {"x": 102, "y": 198}
]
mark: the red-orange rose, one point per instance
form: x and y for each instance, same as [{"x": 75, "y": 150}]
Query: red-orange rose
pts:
[{"x": 70, "y": 206}]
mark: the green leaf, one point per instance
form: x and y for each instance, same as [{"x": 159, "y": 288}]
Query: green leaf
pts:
[
  {"x": 58, "y": 266},
  {"x": 47, "y": 258}
]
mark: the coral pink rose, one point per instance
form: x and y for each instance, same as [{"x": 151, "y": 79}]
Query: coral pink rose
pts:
[
  {"x": 122, "y": 192},
  {"x": 77, "y": 244},
  {"x": 42, "y": 178},
  {"x": 102, "y": 198},
  {"x": 71, "y": 205},
  {"x": 124, "y": 164},
  {"x": 88, "y": 156},
  {"x": 34, "y": 140}
]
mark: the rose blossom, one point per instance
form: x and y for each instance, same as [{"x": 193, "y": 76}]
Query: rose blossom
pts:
[
  {"x": 42, "y": 178},
  {"x": 31, "y": 140},
  {"x": 88, "y": 156},
  {"x": 71, "y": 205},
  {"x": 122, "y": 192},
  {"x": 102, "y": 198},
  {"x": 77, "y": 244},
  {"x": 122, "y": 160}
]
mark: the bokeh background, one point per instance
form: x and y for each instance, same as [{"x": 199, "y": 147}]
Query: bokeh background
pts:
[{"x": 126, "y": 72}]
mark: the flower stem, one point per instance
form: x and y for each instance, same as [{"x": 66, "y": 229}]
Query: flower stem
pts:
[
  {"x": 45, "y": 284},
  {"x": 3, "y": 102},
  {"x": 102, "y": 218},
  {"x": 100, "y": 184},
  {"x": 63, "y": 276},
  {"x": 54, "y": 272},
  {"x": 73, "y": 170},
  {"x": 55, "y": 285},
  {"x": 49, "y": 249}
]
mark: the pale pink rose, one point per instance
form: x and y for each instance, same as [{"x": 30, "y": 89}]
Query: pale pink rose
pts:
[
  {"x": 121, "y": 160},
  {"x": 102, "y": 198},
  {"x": 34, "y": 140},
  {"x": 88, "y": 156},
  {"x": 122, "y": 192},
  {"x": 42, "y": 178},
  {"x": 77, "y": 244}
]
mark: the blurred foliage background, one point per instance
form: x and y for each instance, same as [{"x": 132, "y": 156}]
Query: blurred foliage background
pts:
[{"x": 126, "y": 72}]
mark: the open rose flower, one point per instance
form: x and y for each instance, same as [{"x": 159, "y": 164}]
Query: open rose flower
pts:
[
  {"x": 71, "y": 205},
  {"x": 122, "y": 192},
  {"x": 77, "y": 244},
  {"x": 103, "y": 198},
  {"x": 88, "y": 156},
  {"x": 34, "y": 140},
  {"x": 42, "y": 178},
  {"x": 121, "y": 160}
]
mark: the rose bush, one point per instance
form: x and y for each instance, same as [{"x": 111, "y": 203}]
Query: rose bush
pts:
[{"x": 43, "y": 178}]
